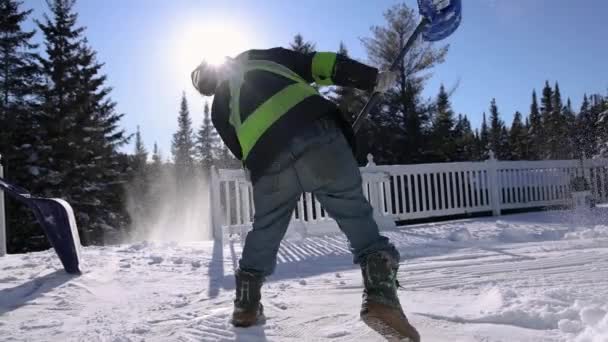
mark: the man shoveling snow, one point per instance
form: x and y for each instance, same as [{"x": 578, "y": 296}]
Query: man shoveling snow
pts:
[{"x": 292, "y": 140}]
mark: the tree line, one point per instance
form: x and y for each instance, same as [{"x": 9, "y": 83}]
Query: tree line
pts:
[{"x": 60, "y": 132}]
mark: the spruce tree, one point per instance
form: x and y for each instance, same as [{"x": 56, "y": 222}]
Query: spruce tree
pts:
[
  {"x": 497, "y": 138},
  {"x": 569, "y": 143},
  {"x": 226, "y": 159},
  {"x": 547, "y": 122},
  {"x": 442, "y": 133},
  {"x": 298, "y": 44},
  {"x": 602, "y": 124},
  {"x": 138, "y": 186},
  {"x": 585, "y": 128},
  {"x": 183, "y": 147},
  {"x": 535, "y": 131},
  {"x": 19, "y": 136},
  {"x": 156, "y": 156},
  {"x": 484, "y": 139},
  {"x": 505, "y": 145},
  {"x": 557, "y": 131},
  {"x": 141, "y": 155},
  {"x": 206, "y": 141},
  {"x": 466, "y": 145},
  {"x": 80, "y": 129},
  {"x": 518, "y": 138}
]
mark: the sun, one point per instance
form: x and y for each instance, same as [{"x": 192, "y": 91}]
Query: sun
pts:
[{"x": 210, "y": 42}]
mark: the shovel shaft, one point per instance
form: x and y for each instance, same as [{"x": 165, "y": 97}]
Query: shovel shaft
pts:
[{"x": 373, "y": 101}]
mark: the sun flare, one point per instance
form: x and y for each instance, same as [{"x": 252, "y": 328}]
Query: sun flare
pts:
[{"x": 210, "y": 42}]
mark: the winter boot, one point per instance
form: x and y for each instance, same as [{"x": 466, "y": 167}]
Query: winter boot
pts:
[
  {"x": 381, "y": 309},
  {"x": 248, "y": 310}
]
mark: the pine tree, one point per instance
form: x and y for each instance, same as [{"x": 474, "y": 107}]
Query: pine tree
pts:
[
  {"x": 518, "y": 138},
  {"x": 498, "y": 141},
  {"x": 602, "y": 132},
  {"x": 597, "y": 114},
  {"x": 401, "y": 119},
  {"x": 466, "y": 145},
  {"x": 19, "y": 141},
  {"x": 535, "y": 131},
  {"x": 569, "y": 143},
  {"x": 556, "y": 133},
  {"x": 183, "y": 142},
  {"x": 226, "y": 159},
  {"x": 138, "y": 186},
  {"x": 80, "y": 129},
  {"x": 141, "y": 155},
  {"x": 547, "y": 122},
  {"x": 484, "y": 139},
  {"x": 156, "y": 156},
  {"x": 442, "y": 133},
  {"x": 505, "y": 146},
  {"x": 206, "y": 141},
  {"x": 298, "y": 44}
]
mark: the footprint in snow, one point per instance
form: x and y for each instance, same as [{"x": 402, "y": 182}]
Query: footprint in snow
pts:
[{"x": 155, "y": 260}]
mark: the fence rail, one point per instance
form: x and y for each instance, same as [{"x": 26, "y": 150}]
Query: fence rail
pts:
[{"x": 407, "y": 192}]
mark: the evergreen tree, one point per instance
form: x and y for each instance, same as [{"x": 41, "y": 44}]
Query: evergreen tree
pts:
[
  {"x": 597, "y": 114},
  {"x": 19, "y": 141},
  {"x": 569, "y": 143},
  {"x": 518, "y": 138},
  {"x": 141, "y": 155},
  {"x": 401, "y": 119},
  {"x": 602, "y": 124},
  {"x": 484, "y": 139},
  {"x": 80, "y": 161},
  {"x": 298, "y": 44},
  {"x": 556, "y": 133},
  {"x": 226, "y": 159},
  {"x": 156, "y": 156},
  {"x": 585, "y": 130},
  {"x": 466, "y": 145},
  {"x": 497, "y": 138},
  {"x": 183, "y": 142},
  {"x": 505, "y": 146},
  {"x": 206, "y": 141},
  {"x": 138, "y": 186},
  {"x": 547, "y": 122},
  {"x": 535, "y": 131},
  {"x": 442, "y": 133}
]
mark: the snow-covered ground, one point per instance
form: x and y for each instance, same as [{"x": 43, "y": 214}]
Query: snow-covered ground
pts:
[{"x": 526, "y": 277}]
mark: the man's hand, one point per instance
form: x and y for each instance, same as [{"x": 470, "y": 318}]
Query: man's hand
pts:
[{"x": 386, "y": 79}]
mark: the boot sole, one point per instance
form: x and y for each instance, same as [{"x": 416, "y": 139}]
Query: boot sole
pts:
[
  {"x": 388, "y": 332},
  {"x": 246, "y": 324}
]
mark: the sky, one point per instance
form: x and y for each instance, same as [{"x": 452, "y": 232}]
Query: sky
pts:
[{"x": 503, "y": 49}]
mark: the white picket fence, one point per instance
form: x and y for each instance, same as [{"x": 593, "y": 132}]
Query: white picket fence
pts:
[{"x": 408, "y": 192}]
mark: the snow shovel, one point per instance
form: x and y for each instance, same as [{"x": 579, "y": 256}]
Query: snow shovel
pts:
[
  {"x": 440, "y": 18},
  {"x": 57, "y": 220}
]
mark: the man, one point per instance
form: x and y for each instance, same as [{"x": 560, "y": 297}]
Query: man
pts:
[{"x": 292, "y": 140}]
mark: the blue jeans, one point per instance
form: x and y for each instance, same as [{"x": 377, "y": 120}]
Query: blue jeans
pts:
[{"x": 320, "y": 161}]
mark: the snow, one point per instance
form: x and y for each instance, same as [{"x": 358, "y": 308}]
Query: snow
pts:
[{"x": 525, "y": 277}]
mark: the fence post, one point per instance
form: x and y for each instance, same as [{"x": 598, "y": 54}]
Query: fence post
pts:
[
  {"x": 376, "y": 196},
  {"x": 215, "y": 205},
  {"x": 493, "y": 183},
  {"x": 2, "y": 216}
]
